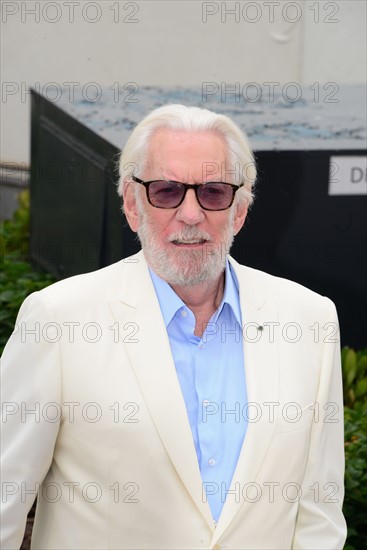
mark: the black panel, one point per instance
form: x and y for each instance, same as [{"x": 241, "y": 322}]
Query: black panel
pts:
[
  {"x": 76, "y": 220},
  {"x": 297, "y": 231},
  {"x": 67, "y": 204}
]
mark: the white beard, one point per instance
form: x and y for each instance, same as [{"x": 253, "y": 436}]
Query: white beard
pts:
[{"x": 182, "y": 266}]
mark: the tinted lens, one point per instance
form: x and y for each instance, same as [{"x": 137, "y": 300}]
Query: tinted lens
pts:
[
  {"x": 215, "y": 196},
  {"x": 164, "y": 194}
]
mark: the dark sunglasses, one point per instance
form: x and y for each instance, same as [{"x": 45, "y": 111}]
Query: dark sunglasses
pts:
[{"x": 170, "y": 194}]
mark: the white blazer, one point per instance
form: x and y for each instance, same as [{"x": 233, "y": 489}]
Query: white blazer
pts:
[{"x": 94, "y": 419}]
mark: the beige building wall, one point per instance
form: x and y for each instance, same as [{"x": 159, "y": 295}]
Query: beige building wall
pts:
[{"x": 220, "y": 46}]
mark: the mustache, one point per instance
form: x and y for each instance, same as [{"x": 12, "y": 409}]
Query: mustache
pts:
[{"x": 190, "y": 233}]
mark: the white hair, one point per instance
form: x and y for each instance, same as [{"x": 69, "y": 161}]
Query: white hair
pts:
[{"x": 189, "y": 119}]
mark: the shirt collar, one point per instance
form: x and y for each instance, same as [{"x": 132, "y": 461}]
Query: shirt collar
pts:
[{"x": 170, "y": 303}]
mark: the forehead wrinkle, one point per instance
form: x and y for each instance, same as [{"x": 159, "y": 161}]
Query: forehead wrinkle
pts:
[
  {"x": 186, "y": 174},
  {"x": 176, "y": 159}
]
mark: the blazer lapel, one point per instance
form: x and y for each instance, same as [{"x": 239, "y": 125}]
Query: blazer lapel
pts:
[
  {"x": 155, "y": 371},
  {"x": 262, "y": 368}
]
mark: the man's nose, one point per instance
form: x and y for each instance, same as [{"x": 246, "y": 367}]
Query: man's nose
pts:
[{"x": 190, "y": 211}]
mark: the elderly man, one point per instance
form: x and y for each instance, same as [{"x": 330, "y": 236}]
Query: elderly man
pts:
[{"x": 176, "y": 399}]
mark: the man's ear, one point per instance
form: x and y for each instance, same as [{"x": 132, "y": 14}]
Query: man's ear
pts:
[
  {"x": 240, "y": 216},
  {"x": 130, "y": 207}
]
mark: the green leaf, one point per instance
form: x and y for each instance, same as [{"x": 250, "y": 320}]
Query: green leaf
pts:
[
  {"x": 362, "y": 363},
  {"x": 361, "y": 388},
  {"x": 350, "y": 366}
]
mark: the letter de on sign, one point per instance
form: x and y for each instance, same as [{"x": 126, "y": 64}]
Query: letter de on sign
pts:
[{"x": 348, "y": 175}]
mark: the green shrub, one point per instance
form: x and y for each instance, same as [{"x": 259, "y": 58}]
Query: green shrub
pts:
[
  {"x": 355, "y": 502},
  {"x": 14, "y": 233},
  {"x": 18, "y": 278},
  {"x": 355, "y": 413},
  {"x": 17, "y": 281},
  {"x": 354, "y": 376}
]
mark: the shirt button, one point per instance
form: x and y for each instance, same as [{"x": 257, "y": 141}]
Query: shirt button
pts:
[
  {"x": 184, "y": 313},
  {"x": 211, "y": 461},
  {"x": 205, "y": 403}
]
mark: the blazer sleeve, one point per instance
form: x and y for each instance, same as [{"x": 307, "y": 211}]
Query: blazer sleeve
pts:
[
  {"x": 320, "y": 522},
  {"x": 31, "y": 411}
]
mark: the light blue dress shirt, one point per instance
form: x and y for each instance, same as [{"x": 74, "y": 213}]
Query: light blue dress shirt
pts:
[{"x": 211, "y": 373}]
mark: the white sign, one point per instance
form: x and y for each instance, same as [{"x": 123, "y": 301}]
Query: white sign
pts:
[{"x": 348, "y": 176}]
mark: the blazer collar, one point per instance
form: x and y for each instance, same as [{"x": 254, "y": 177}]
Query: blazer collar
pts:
[{"x": 136, "y": 282}]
